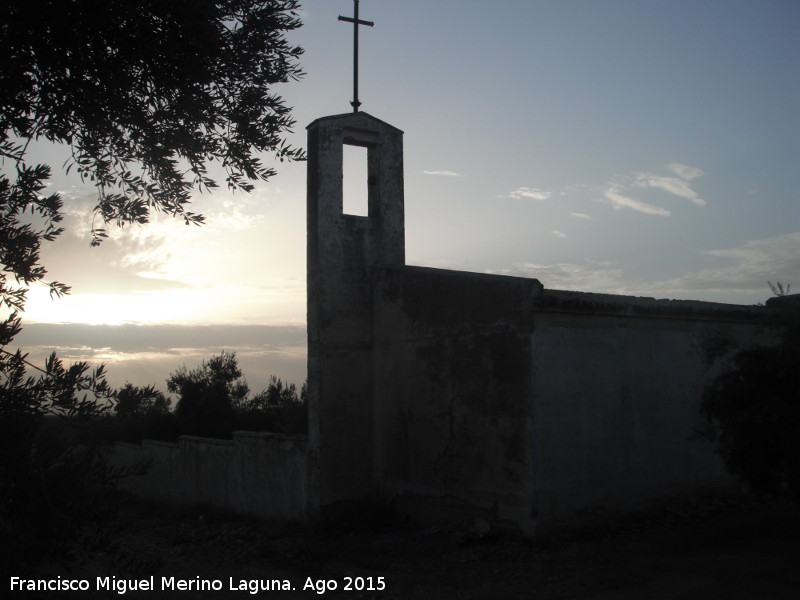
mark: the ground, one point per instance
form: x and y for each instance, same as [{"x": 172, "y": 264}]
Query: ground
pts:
[{"x": 731, "y": 549}]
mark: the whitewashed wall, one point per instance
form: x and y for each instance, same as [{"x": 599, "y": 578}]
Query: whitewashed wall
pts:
[{"x": 263, "y": 475}]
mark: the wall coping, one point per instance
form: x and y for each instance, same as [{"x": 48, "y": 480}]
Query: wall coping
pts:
[
  {"x": 360, "y": 115},
  {"x": 552, "y": 300},
  {"x": 123, "y": 444},
  {"x": 300, "y": 437},
  {"x": 204, "y": 440},
  {"x": 633, "y": 306},
  {"x": 253, "y": 435},
  {"x": 150, "y": 442}
]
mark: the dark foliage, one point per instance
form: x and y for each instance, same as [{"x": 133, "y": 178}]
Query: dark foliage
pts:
[
  {"x": 140, "y": 401},
  {"x": 208, "y": 395},
  {"x": 53, "y": 489},
  {"x": 146, "y": 94},
  {"x": 213, "y": 401},
  {"x": 139, "y": 412},
  {"x": 753, "y": 409},
  {"x": 278, "y": 408}
]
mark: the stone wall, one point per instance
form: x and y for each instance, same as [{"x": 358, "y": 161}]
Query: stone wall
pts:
[
  {"x": 258, "y": 474},
  {"x": 496, "y": 399},
  {"x": 618, "y": 383},
  {"x": 453, "y": 392}
]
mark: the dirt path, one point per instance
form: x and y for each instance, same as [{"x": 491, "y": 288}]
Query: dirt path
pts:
[{"x": 731, "y": 552}]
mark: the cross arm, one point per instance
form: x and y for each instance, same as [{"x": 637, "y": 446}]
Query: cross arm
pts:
[{"x": 359, "y": 21}]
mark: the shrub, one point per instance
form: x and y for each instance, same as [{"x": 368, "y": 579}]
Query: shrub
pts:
[
  {"x": 214, "y": 401},
  {"x": 278, "y": 408},
  {"x": 55, "y": 486},
  {"x": 208, "y": 396},
  {"x": 753, "y": 408}
]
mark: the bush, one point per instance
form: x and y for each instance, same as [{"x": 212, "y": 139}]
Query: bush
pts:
[
  {"x": 55, "y": 486},
  {"x": 208, "y": 396},
  {"x": 753, "y": 408},
  {"x": 136, "y": 401},
  {"x": 278, "y": 408},
  {"x": 214, "y": 401}
]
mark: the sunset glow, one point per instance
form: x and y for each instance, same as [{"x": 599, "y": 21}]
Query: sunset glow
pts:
[{"x": 626, "y": 147}]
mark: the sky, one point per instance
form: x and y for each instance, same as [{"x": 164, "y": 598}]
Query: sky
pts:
[{"x": 633, "y": 147}]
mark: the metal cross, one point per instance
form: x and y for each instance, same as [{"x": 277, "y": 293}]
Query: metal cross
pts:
[{"x": 356, "y": 22}]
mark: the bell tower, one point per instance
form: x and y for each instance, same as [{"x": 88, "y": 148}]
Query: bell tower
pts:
[{"x": 343, "y": 250}]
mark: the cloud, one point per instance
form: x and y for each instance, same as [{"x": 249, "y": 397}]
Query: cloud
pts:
[
  {"x": 619, "y": 201},
  {"x": 168, "y": 272},
  {"x": 768, "y": 258},
  {"x": 733, "y": 275},
  {"x": 127, "y": 339},
  {"x": 78, "y": 215},
  {"x": 580, "y": 215},
  {"x": 673, "y": 185},
  {"x": 234, "y": 219},
  {"x": 744, "y": 277},
  {"x": 198, "y": 257},
  {"x": 619, "y": 190},
  {"x": 443, "y": 173},
  {"x": 526, "y": 192},
  {"x": 560, "y": 234},
  {"x": 144, "y": 354},
  {"x": 594, "y": 277},
  {"x": 685, "y": 171}
]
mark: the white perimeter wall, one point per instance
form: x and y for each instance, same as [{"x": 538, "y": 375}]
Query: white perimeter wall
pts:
[
  {"x": 616, "y": 409},
  {"x": 258, "y": 474}
]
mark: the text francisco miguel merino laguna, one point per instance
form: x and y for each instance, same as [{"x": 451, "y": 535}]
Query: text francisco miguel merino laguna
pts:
[{"x": 251, "y": 586}]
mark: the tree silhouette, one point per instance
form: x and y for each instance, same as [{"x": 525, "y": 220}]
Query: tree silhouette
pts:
[
  {"x": 277, "y": 408},
  {"x": 146, "y": 94},
  {"x": 134, "y": 401},
  {"x": 752, "y": 407},
  {"x": 209, "y": 395}
]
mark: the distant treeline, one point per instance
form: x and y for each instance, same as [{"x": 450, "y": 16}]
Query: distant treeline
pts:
[{"x": 213, "y": 400}]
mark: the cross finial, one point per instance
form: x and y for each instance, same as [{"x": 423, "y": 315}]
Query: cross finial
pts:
[{"x": 356, "y": 22}]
